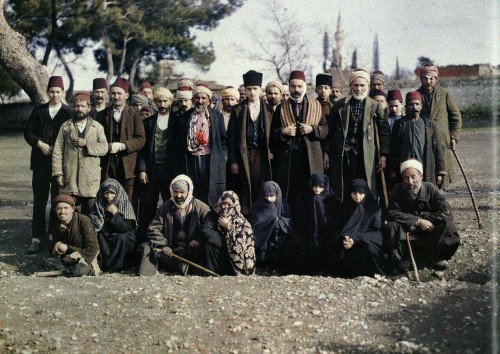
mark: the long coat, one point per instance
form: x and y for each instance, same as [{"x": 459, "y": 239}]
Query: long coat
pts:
[
  {"x": 80, "y": 167},
  {"x": 432, "y": 159},
  {"x": 448, "y": 120},
  {"x": 131, "y": 134},
  {"x": 36, "y": 129},
  {"x": 280, "y": 144},
  {"x": 338, "y": 121},
  {"x": 237, "y": 141},
  {"x": 218, "y": 151}
]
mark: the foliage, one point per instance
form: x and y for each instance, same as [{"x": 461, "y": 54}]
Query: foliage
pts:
[
  {"x": 476, "y": 112},
  {"x": 421, "y": 61}
]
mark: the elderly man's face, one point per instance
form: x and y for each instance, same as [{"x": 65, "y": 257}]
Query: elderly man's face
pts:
[
  {"x": 180, "y": 196},
  {"x": 323, "y": 92},
  {"x": 185, "y": 104},
  {"x": 201, "y": 101},
  {"x": 395, "y": 108},
  {"x": 297, "y": 88},
  {"x": 163, "y": 103},
  {"x": 412, "y": 180},
  {"x": 100, "y": 96},
  {"x": 118, "y": 97},
  {"x": 414, "y": 108},
  {"x": 273, "y": 95},
  {"x": 377, "y": 84},
  {"x": 428, "y": 82},
  {"x": 359, "y": 88}
]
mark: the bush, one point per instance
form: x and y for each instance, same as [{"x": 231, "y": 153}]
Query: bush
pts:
[{"x": 477, "y": 114}]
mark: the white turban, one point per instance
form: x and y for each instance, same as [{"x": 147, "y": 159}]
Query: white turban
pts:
[
  {"x": 202, "y": 89},
  {"x": 412, "y": 163},
  {"x": 359, "y": 74}
]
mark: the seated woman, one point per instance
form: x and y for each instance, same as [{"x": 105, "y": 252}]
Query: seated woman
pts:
[
  {"x": 114, "y": 221},
  {"x": 75, "y": 241},
  {"x": 229, "y": 237},
  {"x": 271, "y": 224},
  {"x": 360, "y": 238},
  {"x": 312, "y": 219}
]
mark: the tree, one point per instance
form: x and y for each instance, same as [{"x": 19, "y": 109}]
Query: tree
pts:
[
  {"x": 326, "y": 49},
  {"x": 18, "y": 62},
  {"x": 421, "y": 61},
  {"x": 354, "y": 60},
  {"x": 376, "y": 63},
  {"x": 282, "y": 46},
  {"x": 397, "y": 75}
]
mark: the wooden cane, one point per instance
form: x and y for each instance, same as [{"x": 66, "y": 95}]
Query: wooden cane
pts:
[
  {"x": 480, "y": 224},
  {"x": 49, "y": 274},
  {"x": 158, "y": 250},
  {"x": 382, "y": 176},
  {"x": 412, "y": 258}
]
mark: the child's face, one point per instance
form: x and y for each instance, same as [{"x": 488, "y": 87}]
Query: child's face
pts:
[
  {"x": 318, "y": 189},
  {"x": 357, "y": 197}
]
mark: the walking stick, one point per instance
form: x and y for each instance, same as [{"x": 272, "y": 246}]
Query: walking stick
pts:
[
  {"x": 480, "y": 224},
  {"x": 382, "y": 176},
  {"x": 158, "y": 250},
  {"x": 49, "y": 274},
  {"x": 412, "y": 258}
]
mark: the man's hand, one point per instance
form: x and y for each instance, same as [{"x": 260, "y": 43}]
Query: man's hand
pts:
[
  {"x": 111, "y": 208},
  {"x": 143, "y": 177},
  {"x": 167, "y": 251},
  {"x": 305, "y": 129},
  {"x": 78, "y": 142},
  {"x": 439, "y": 181},
  {"x": 425, "y": 225},
  {"x": 194, "y": 243},
  {"x": 46, "y": 149},
  {"x": 347, "y": 242},
  {"x": 115, "y": 148},
  {"x": 224, "y": 222},
  {"x": 60, "y": 181},
  {"x": 289, "y": 131},
  {"x": 453, "y": 144},
  {"x": 60, "y": 248},
  {"x": 382, "y": 163},
  {"x": 326, "y": 161},
  {"x": 234, "y": 168}
]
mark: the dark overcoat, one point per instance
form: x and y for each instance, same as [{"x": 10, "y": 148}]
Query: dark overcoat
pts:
[
  {"x": 338, "y": 122},
  {"x": 131, "y": 134}
]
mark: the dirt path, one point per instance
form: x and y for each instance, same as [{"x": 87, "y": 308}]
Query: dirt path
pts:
[{"x": 122, "y": 313}]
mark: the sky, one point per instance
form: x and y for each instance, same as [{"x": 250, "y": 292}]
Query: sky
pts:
[{"x": 448, "y": 32}]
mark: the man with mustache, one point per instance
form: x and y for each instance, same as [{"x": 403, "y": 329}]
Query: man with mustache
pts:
[
  {"x": 100, "y": 93},
  {"x": 77, "y": 154},
  {"x": 351, "y": 143},
  {"x": 418, "y": 210},
  {"x": 440, "y": 107},
  {"x": 200, "y": 147},
  {"x": 274, "y": 93},
  {"x": 175, "y": 229},
  {"x": 297, "y": 128}
]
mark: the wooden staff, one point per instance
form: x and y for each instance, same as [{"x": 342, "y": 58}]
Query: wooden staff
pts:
[
  {"x": 382, "y": 176},
  {"x": 49, "y": 274},
  {"x": 158, "y": 250},
  {"x": 412, "y": 258},
  {"x": 480, "y": 224}
]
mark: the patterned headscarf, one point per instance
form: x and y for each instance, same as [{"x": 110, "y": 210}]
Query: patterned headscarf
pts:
[
  {"x": 239, "y": 236},
  {"x": 97, "y": 214}
]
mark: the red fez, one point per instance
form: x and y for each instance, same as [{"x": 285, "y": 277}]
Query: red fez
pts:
[
  {"x": 121, "y": 83},
  {"x": 413, "y": 96},
  {"x": 297, "y": 75},
  {"x": 324, "y": 79},
  {"x": 144, "y": 85},
  {"x": 55, "y": 81},
  {"x": 394, "y": 95},
  {"x": 82, "y": 96},
  {"x": 378, "y": 93},
  {"x": 99, "y": 83},
  {"x": 252, "y": 78},
  {"x": 63, "y": 198}
]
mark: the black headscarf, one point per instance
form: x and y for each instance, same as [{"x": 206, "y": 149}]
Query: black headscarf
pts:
[
  {"x": 319, "y": 207},
  {"x": 264, "y": 214}
]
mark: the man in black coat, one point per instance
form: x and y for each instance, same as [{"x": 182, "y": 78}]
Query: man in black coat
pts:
[
  {"x": 417, "y": 210},
  {"x": 40, "y": 133}
]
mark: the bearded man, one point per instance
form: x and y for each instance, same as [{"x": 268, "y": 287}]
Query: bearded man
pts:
[
  {"x": 175, "y": 229},
  {"x": 440, "y": 107},
  {"x": 77, "y": 154},
  {"x": 297, "y": 128},
  {"x": 200, "y": 147},
  {"x": 351, "y": 147},
  {"x": 230, "y": 99},
  {"x": 419, "y": 211},
  {"x": 336, "y": 92},
  {"x": 274, "y": 93}
]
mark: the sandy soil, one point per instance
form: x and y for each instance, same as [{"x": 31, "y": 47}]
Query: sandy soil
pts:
[{"x": 123, "y": 313}]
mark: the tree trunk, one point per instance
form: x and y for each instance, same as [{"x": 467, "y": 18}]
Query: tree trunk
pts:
[
  {"x": 109, "y": 56},
  {"x": 133, "y": 71},
  {"x": 69, "y": 91},
  {"x": 24, "y": 69}
]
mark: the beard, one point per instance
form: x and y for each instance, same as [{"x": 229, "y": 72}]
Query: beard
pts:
[
  {"x": 413, "y": 190},
  {"x": 179, "y": 200},
  {"x": 200, "y": 108},
  {"x": 361, "y": 96},
  {"x": 81, "y": 116}
]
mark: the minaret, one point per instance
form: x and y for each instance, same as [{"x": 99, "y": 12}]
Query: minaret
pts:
[{"x": 339, "y": 39}]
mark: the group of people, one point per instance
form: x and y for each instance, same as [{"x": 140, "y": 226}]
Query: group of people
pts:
[{"x": 249, "y": 179}]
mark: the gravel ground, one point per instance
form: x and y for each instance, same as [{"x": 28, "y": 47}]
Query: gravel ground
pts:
[{"x": 115, "y": 313}]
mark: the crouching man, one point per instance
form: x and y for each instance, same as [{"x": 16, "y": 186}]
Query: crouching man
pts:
[
  {"x": 417, "y": 210},
  {"x": 75, "y": 240},
  {"x": 174, "y": 230}
]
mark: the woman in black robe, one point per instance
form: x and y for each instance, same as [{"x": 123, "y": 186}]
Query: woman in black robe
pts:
[
  {"x": 271, "y": 224},
  {"x": 114, "y": 221},
  {"x": 360, "y": 238}
]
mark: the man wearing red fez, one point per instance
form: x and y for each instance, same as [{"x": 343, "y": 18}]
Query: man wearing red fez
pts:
[
  {"x": 415, "y": 137},
  {"x": 200, "y": 149},
  {"x": 100, "y": 93},
  {"x": 147, "y": 88},
  {"x": 77, "y": 154},
  {"x": 297, "y": 128},
  {"x": 40, "y": 133},
  {"x": 440, "y": 106},
  {"x": 248, "y": 132},
  {"x": 125, "y": 135},
  {"x": 351, "y": 146},
  {"x": 395, "y": 105}
]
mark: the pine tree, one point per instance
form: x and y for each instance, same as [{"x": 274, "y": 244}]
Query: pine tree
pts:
[
  {"x": 398, "y": 75},
  {"x": 376, "y": 54},
  {"x": 326, "y": 49},
  {"x": 354, "y": 60}
]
